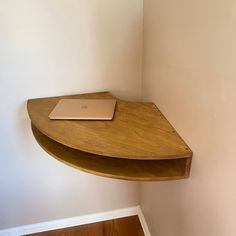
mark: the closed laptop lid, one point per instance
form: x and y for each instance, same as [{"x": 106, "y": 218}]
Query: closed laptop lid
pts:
[{"x": 84, "y": 109}]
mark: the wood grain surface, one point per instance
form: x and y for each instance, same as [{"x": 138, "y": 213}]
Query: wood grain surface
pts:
[
  {"x": 138, "y": 130},
  {"x": 128, "y": 226},
  {"x": 126, "y": 169}
]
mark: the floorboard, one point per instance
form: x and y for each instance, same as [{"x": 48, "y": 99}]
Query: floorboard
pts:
[{"x": 127, "y": 226}]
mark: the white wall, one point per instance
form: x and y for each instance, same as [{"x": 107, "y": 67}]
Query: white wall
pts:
[
  {"x": 190, "y": 72},
  {"x": 56, "y": 47}
]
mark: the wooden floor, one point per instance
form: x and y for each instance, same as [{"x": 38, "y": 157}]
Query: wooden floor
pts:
[{"x": 128, "y": 226}]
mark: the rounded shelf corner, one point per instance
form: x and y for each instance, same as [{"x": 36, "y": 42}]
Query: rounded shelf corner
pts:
[{"x": 138, "y": 144}]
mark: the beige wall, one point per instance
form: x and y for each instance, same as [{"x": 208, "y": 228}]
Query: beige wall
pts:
[
  {"x": 190, "y": 73},
  {"x": 55, "y": 47}
]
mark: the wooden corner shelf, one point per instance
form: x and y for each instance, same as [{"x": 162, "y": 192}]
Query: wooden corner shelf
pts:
[{"x": 138, "y": 144}]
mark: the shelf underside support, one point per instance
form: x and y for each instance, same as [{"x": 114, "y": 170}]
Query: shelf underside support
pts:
[{"x": 126, "y": 169}]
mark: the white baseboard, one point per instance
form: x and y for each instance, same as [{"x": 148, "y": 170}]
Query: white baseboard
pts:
[
  {"x": 79, "y": 220},
  {"x": 143, "y": 222}
]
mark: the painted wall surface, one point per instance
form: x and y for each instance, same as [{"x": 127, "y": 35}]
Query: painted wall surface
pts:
[
  {"x": 190, "y": 73},
  {"x": 49, "y": 48}
]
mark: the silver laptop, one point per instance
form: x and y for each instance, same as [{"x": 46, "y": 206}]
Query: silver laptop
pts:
[{"x": 84, "y": 109}]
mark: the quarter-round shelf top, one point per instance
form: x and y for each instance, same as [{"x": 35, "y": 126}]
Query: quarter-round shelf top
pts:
[{"x": 138, "y": 130}]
